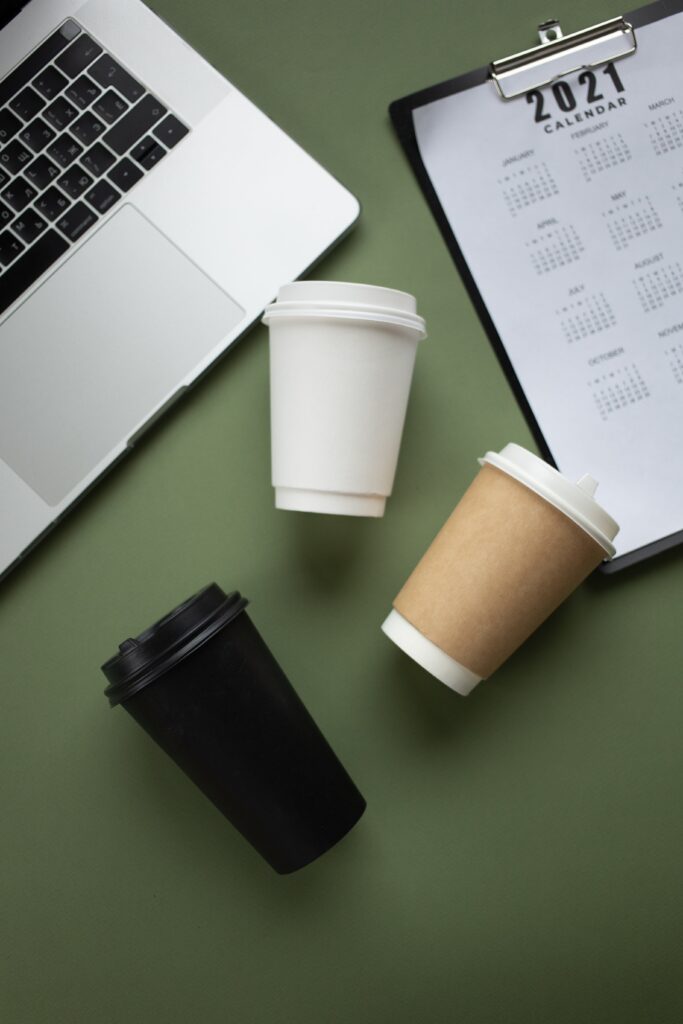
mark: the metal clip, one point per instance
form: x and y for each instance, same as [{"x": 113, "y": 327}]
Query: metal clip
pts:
[
  {"x": 560, "y": 55},
  {"x": 550, "y": 31}
]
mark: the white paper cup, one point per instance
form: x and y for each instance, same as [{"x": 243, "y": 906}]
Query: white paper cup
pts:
[
  {"x": 518, "y": 543},
  {"x": 341, "y": 363}
]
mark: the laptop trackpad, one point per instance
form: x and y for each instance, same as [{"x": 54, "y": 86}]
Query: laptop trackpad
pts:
[{"x": 111, "y": 335}]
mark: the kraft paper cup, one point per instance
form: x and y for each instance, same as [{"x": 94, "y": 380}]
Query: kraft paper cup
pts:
[
  {"x": 341, "y": 364},
  {"x": 519, "y": 542}
]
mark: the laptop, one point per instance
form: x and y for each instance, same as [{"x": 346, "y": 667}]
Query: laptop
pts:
[{"x": 148, "y": 213}]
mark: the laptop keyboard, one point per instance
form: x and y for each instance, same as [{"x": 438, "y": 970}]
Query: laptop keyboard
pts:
[{"x": 77, "y": 131}]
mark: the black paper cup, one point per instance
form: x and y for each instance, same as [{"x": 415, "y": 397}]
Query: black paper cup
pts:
[{"x": 204, "y": 685}]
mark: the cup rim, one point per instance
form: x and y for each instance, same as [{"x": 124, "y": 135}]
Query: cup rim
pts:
[
  {"x": 310, "y": 308},
  {"x": 160, "y": 647}
]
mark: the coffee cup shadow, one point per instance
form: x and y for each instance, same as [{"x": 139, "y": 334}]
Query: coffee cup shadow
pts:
[
  {"x": 187, "y": 823},
  {"x": 433, "y": 714},
  {"x": 328, "y": 548}
]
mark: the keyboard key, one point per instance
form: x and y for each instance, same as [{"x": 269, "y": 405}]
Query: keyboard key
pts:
[
  {"x": 137, "y": 121},
  {"x": 98, "y": 159},
  {"x": 83, "y": 91},
  {"x": 142, "y": 148},
  {"x": 49, "y": 82},
  {"x": 110, "y": 106},
  {"x": 81, "y": 53},
  {"x": 52, "y": 204},
  {"x": 37, "y": 60},
  {"x": 77, "y": 221},
  {"x": 14, "y": 157},
  {"x": 29, "y": 267},
  {"x": 9, "y": 125},
  {"x": 125, "y": 174},
  {"x": 108, "y": 73},
  {"x": 41, "y": 172},
  {"x": 75, "y": 181},
  {"x": 69, "y": 30},
  {"x": 19, "y": 194},
  {"x": 65, "y": 150},
  {"x": 37, "y": 135},
  {"x": 170, "y": 131},
  {"x": 152, "y": 157},
  {"x": 60, "y": 113},
  {"x": 28, "y": 226},
  {"x": 10, "y": 247},
  {"x": 102, "y": 196},
  {"x": 27, "y": 103},
  {"x": 87, "y": 128},
  {"x": 6, "y": 215},
  {"x": 148, "y": 152}
]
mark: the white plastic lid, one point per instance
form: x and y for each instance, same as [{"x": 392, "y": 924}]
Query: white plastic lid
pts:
[
  {"x": 344, "y": 300},
  {"x": 574, "y": 499}
]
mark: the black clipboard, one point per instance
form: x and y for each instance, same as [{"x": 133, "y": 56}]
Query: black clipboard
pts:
[{"x": 401, "y": 113}]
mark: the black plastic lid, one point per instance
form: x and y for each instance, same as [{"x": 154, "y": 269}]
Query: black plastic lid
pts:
[{"x": 169, "y": 640}]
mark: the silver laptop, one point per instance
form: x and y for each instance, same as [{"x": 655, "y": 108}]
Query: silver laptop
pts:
[{"x": 148, "y": 213}]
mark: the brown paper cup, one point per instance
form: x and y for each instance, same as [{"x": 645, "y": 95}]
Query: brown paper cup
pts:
[{"x": 501, "y": 564}]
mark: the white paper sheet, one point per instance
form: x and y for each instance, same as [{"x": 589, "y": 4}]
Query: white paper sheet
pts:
[{"x": 572, "y": 226}]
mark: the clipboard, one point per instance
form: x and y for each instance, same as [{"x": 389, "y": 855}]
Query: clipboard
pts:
[{"x": 555, "y": 57}]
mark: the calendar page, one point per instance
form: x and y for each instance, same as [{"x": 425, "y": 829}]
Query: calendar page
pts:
[{"x": 567, "y": 205}]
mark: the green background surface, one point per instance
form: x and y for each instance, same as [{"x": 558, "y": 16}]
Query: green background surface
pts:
[{"x": 520, "y": 858}]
